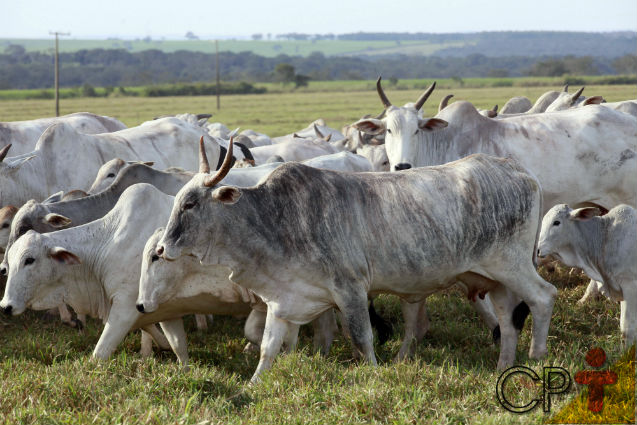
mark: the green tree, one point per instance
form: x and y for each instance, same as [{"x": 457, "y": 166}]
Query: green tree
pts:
[{"x": 284, "y": 73}]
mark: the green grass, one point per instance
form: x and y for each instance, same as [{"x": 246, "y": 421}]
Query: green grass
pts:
[
  {"x": 47, "y": 375},
  {"x": 268, "y": 48}
]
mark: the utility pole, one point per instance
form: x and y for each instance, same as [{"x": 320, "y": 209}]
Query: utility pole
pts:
[
  {"x": 57, "y": 70},
  {"x": 217, "y": 66}
]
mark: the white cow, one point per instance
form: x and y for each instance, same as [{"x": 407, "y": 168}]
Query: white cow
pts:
[
  {"x": 604, "y": 247},
  {"x": 65, "y": 159},
  {"x": 23, "y": 135},
  {"x": 293, "y": 150}
]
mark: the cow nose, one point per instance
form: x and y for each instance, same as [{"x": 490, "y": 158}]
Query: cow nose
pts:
[
  {"x": 160, "y": 250},
  {"x": 7, "y": 310},
  {"x": 140, "y": 308},
  {"x": 3, "y": 271},
  {"x": 402, "y": 166}
]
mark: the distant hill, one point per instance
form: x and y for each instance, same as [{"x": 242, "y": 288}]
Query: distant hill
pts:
[{"x": 492, "y": 44}]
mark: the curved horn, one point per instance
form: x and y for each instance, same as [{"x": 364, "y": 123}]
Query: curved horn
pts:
[
  {"x": 4, "y": 151},
  {"x": 204, "y": 166},
  {"x": 318, "y": 132},
  {"x": 565, "y": 89},
  {"x": 495, "y": 108},
  {"x": 576, "y": 95},
  {"x": 421, "y": 100},
  {"x": 206, "y": 116},
  {"x": 225, "y": 168},
  {"x": 444, "y": 102},
  {"x": 381, "y": 93}
]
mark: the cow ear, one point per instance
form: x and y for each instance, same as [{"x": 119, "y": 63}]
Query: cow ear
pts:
[
  {"x": 432, "y": 124},
  {"x": 370, "y": 126},
  {"x": 595, "y": 100},
  {"x": 56, "y": 197},
  {"x": 583, "y": 214},
  {"x": 226, "y": 194},
  {"x": 56, "y": 220},
  {"x": 17, "y": 163},
  {"x": 63, "y": 256}
]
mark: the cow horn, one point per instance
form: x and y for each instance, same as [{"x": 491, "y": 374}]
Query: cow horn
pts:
[
  {"x": 4, "y": 152},
  {"x": 422, "y": 99},
  {"x": 201, "y": 116},
  {"x": 444, "y": 102},
  {"x": 565, "y": 89},
  {"x": 318, "y": 132},
  {"x": 381, "y": 93},
  {"x": 225, "y": 168},
  {"x": 495, "y": 108},
  {"x": 576, "y": 95},
  {"x": 204, "y": 166}
]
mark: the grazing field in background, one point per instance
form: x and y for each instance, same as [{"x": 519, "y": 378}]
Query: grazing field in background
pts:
[
  {"x": 47, "y": 375},
  {"x": 275, "y": 114}
]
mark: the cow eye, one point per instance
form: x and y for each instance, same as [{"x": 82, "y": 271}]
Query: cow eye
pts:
[
  {"x": 189, "y": 205},
  {"x": 154, "y": 258},
  {"x": 110, "y": 176},
  {"x": 416, "y": 132},
  {"x": 22, "y": 230},
  {"x": 386, "y": 163},
  {"x": 389, "y": 130},
  {"x": 5, "y": 225},
  {"x": 29, "y": 261},
  {"x": 556, "y": 223}
]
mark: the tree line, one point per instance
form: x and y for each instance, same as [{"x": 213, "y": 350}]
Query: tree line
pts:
[{"x": 20, "y": 69}]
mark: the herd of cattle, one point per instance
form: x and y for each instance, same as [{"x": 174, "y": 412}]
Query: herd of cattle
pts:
[{"x": 129, "y": 225}]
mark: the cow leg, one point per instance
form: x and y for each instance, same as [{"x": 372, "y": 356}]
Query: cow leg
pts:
[
  {"x": 504, "y": 302},
  {"x": 628, "y": 315},
  {"x": 416, "y": 326},
  {"x": 538, "y": 294},
  {"x": 202, "y": 324},
  {"x": 275, "y": 331},
  {"x": 592, "y": 292},
  {"x": 157, "y": 336},
  {"x": 353, "y": 305},
  {"x": 146, "y": 348},
  {"x": 484, "y": 307},
  {"x": 324, "y": 329},
  {"x": 253, "y": 329},
  {"x": 176, "y": 336},
  {"x": 291, "y": 338},
  {"x": 120, "y": 320}
]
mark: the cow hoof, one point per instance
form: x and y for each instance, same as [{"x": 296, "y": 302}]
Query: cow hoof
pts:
[
  {"x": 537, "y": 354},
  {"x": 251, "y": 348}
]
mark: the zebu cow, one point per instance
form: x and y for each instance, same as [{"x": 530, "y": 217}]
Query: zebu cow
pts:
[
  {"x": 566, "y": 100},
  {"x": 474, "y": 220},
  {"x": 604, "y": 247},
  {"x": 376, "y": 155},
  {"x": 23, "y": 135},
  {"x": 65, "y": 159},
  {"x": 310, "y": 132},
  {"x": 293, "y": 150},
  {"x": 111, "y": 169},
  {"x": 583, "y": 155},
  {"x": 93, "y": 268}
]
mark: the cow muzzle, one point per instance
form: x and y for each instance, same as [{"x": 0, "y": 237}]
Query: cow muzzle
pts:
[
  {"x": 167, "y": 252},
  {"x": 8, "y": 310},
  {"x": 402, "y": 166}
]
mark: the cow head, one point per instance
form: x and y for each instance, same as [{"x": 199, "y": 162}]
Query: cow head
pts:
[
  {"x": 159, "y": 278},
  {"x": 376, "y": 155},
  {"x": 402, "y": 127},
  {"x": 559, "y": 233},
  {"x": 6, "y": 218},
  {"x": 35, "y": 270},
  {"x": 109, "y": 171},
  {"x": 196, "y": 206},
  {"x": 33, "y": 216}
]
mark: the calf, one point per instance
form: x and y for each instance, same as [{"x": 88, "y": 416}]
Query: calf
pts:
[{"x": 605, "y": 247}]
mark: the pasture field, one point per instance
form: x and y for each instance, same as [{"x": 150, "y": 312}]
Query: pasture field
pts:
[
  {"x": 48, "y": 377},
  {"x": 268, "y": 48}
]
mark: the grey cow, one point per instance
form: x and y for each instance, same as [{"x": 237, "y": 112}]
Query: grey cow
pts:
[{"x": 475, "y": 220}]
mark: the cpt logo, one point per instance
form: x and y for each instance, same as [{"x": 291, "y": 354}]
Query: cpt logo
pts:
[{"x": 556, "y": 380}]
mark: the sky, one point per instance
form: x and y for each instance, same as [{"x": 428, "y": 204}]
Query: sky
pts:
[{"x": 239, "y": 18}]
